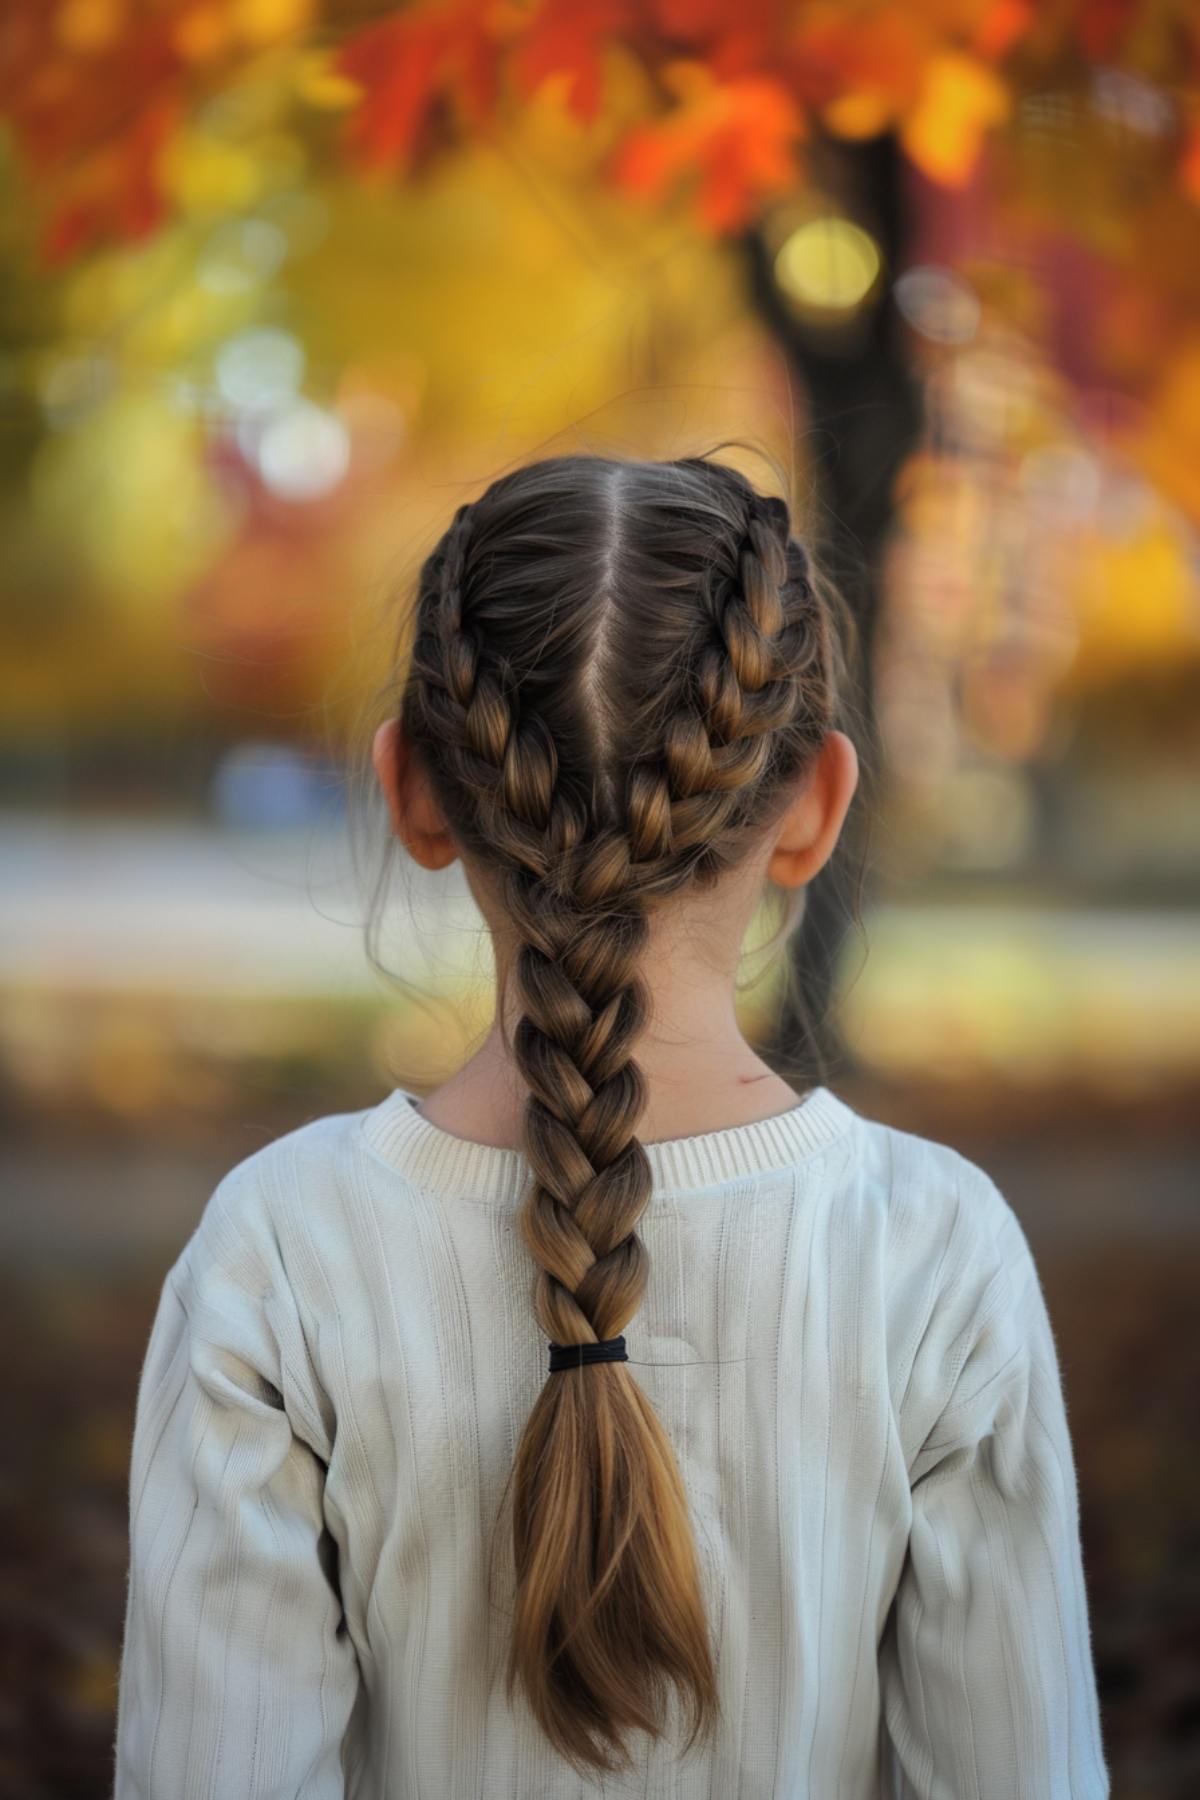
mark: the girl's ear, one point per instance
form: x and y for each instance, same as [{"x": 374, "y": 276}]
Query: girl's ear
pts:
[
  {"x": 416, "y": 817},
  {"x": 810, "y": 828}
]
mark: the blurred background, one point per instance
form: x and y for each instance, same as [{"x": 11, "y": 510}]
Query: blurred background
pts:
[{"x": 284, "y": 281}]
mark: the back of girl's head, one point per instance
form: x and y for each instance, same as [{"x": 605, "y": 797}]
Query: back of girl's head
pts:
[{"x": 620, "y": 670}]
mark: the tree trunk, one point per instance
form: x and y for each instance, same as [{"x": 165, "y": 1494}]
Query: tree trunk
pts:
[{"x": 864, "y": 418}]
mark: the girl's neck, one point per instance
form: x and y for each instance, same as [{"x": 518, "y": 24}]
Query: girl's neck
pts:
[{"x": 692, "y": 1085}]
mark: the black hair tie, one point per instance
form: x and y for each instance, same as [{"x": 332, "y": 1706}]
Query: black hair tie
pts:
[{"x": 574, "y": 1356}]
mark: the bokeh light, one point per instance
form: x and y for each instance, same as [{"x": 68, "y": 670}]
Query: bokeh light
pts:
[{"x": 827, "y": 265}]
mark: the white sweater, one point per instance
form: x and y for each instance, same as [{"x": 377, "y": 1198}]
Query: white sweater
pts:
[{"x": 847, "y": 1341}]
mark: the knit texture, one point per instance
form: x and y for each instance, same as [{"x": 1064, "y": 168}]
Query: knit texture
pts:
[{"x": 846, "y": 1339}]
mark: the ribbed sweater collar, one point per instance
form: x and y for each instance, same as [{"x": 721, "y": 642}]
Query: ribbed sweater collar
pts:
[{"x": 436, "y": 1160}]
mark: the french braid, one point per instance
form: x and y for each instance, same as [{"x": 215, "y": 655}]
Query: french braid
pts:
[{"x": 608, "y": 1609}]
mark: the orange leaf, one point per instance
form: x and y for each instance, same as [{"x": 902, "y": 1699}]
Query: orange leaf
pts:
[
  {"x": 835, "y": 56},
  {"x": 738, "y": 138},
  {"x": 1004, "y": 22},
  {"x": 860, "y": 114},
  {"x": 960, "y": 99}
]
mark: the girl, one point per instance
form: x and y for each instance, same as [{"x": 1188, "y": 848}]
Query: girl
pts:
[{"x": 614, "y": 1419}]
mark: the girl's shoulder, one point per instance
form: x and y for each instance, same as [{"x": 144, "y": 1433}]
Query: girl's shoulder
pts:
[
  {"x": 300, "y": 1177},
  {"x": 934, "y": 1201},
  {"x": 959, "y": 1291}
]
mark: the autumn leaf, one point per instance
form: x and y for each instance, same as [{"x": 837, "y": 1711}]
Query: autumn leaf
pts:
[
  {"x": 838, "y": 58},
  {"x": 118, "y": 192},
  {"x": 93, "y": 100},
  {"x": 732, "y": 40},
  {"x": 410, "y": 65},
  {"x": 567, "y": 37},
  {"x": 960, "y": 101},
  {"x": 737, "y": 138},
  {"x": 1003, "y": 24}
]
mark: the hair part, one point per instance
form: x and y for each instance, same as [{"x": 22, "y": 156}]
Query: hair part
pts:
[{"x": 619, "y": 671}]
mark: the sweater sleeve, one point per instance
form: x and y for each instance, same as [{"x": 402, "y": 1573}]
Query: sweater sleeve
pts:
[
  {"x": 237, "y": 1675},
  {"x": 986, "y": 1674}
]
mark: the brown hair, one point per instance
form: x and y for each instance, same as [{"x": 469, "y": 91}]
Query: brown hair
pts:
[{"x": 619, "y": 670}]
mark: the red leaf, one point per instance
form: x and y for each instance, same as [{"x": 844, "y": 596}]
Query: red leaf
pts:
[
  {"x": 733, "y": 38},
  {"x": 115, "y": 193},
  {"x": 410, "y": 65},
  {"x": 567, "y": 37},
  {"x": 71, "y": 230}
]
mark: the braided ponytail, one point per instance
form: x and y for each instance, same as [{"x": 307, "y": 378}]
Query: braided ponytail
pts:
[{"x": 534, "y": 637}]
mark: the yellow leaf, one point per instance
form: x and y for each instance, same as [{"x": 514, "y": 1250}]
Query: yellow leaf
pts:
[
  {"x": 265, "y": 21},
  {"x": 858, "y": 115},
  {"x": 960, "y": 100},
  {"x": 318, "y": 83}
]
